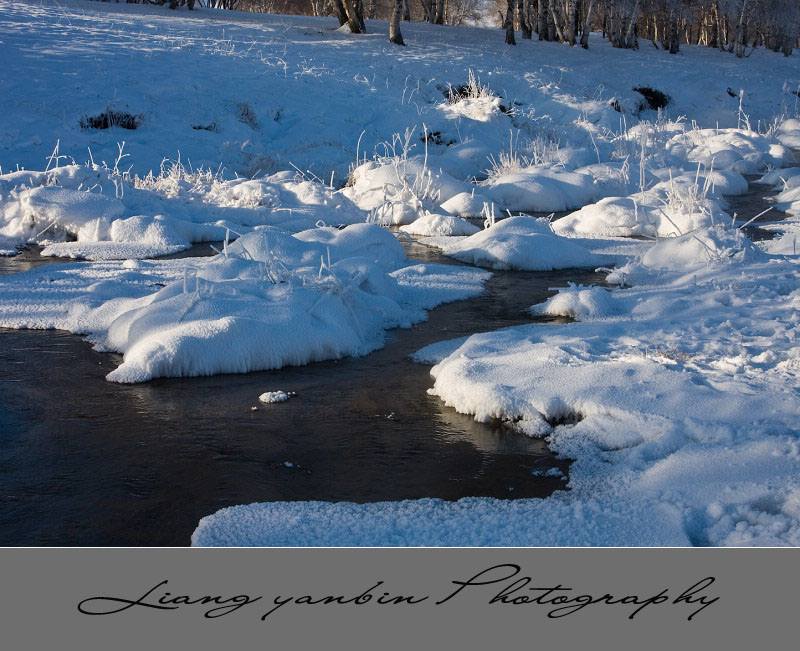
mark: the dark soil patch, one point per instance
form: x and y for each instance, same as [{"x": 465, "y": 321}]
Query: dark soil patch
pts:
[{"x": 655, "y": 98}]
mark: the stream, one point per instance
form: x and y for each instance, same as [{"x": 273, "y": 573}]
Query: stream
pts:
[{"x": 86, "y": 462}]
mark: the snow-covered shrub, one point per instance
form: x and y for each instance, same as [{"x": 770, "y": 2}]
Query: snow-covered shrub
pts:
[{"x": 398, "y": 187}]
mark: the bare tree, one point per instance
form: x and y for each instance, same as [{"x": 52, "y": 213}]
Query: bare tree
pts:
[
  {"x": 394, "y": 24},
  {"x": 509, "y": 23}
]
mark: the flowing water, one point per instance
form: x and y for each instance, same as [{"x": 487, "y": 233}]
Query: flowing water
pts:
[{"x": 87, "y": 462}]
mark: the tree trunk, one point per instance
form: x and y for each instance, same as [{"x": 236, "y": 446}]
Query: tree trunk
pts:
[
  {"x": 394, "y": 23},
  {"x": 587, "y": 25},
  {"x": 556, "y": 22},
  {"x": 429, "y": 8},
  {"x": 440, "y": 12},
  {"x": 631, "y": 40},
  {"x": 741, "y": 31},
  {"x": 570, "y": 7},
  {"x": 541, "y": 15},
  {"x": 510, "y": 23},
  {"x": 524, "y": 26},
  {"x": 672, "y": 43},
  {"x": 338, "y": 10}
]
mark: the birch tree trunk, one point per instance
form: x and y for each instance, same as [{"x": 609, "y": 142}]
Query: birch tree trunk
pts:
[
  {"x": 740, "y": 31},
  {"x": 631, "y": 41},
  {"x": 556, "y": 22},
  {"x": 587, "y": 25},
  {"x": 394, "y": 23}
]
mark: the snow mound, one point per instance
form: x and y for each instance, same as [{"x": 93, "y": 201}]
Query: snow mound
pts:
[
  {"x": 788, "y": 133},
  {"x": 66, "y": 212},
  {"x": 398, "y": 189},
  {"x": 615, "y": 178},
  {"x": 537, "y": 189},
  {"x": 524, "y": 243},
  {"x": 155, "y": 215},
  {"x": 611, "y": 217},
  {"x": 465, "y": 204},
  {"x": 283, "y": 200},
  {"x": 671, "y": 207},
  {"x": 435, "y": 225},
  {"x": 719, "y": 244},
  {"x": 579, "y": 302},
  {"x": 273, "y": 300},
  {"x": 746, "y": 152}
]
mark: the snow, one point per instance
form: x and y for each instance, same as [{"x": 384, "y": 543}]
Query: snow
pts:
[
  {"x": 524, "y": 243},
  {"x": 540, "y": 190},
  {"x": 272, "y": 299},
  {"x": 270, "y": 397},
  {"x": 675, "y": 206},
  {"x": 740, "y": 150},
  {"x": 465, "y": 204},
  {"x": 295, "y": 143},
  {"x": 684, "y": 384},
  {"x": 433, "y": 225}
]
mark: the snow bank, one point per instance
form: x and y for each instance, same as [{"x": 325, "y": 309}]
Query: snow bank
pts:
[
  {"x": 524, "y": 243},
  {"x": 537, "y": 189},
  {"x": 740, "y": 150},
  {"x": 398, "y": 189},
  {"x": 788, "y": 181},
  {"x": 272, "y": 299},
  {"x": 470, "y": 522},
  {"x": 681, "y": 204},
  {"x": 434, "y": 225},
  {"x": 674, "y": 414},
  {"x": 103, "y": 214},
  {"x": 788, "y": 133}
]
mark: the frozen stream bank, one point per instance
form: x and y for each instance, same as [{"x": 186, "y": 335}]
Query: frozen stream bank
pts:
[{"x": 89, "y": 462}]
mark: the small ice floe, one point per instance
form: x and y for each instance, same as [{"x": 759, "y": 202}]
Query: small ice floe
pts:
[{"x": 276, "y": 396}]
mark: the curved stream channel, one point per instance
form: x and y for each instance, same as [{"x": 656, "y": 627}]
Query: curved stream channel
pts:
[{"x": 87, "y": 462}]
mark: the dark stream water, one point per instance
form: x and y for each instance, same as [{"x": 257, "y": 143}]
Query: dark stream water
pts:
[{"x": 87, "y": 462}]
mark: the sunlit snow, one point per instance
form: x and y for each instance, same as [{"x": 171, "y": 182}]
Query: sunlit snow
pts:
[{"x": 310, "y": 156}]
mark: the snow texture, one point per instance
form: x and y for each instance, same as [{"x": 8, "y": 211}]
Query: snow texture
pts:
[{"x": 291, "y": 144}]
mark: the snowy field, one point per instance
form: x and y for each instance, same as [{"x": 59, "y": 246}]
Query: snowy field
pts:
[{"x": 131, "y": 132}]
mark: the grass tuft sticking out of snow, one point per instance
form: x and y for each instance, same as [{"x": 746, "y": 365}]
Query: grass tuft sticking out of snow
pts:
[
  {"x": 112, "y": 118},
  {"x": 473, "y": 89}
]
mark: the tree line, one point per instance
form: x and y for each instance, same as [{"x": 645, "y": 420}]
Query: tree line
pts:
[{"x": 735, "y": 26}]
